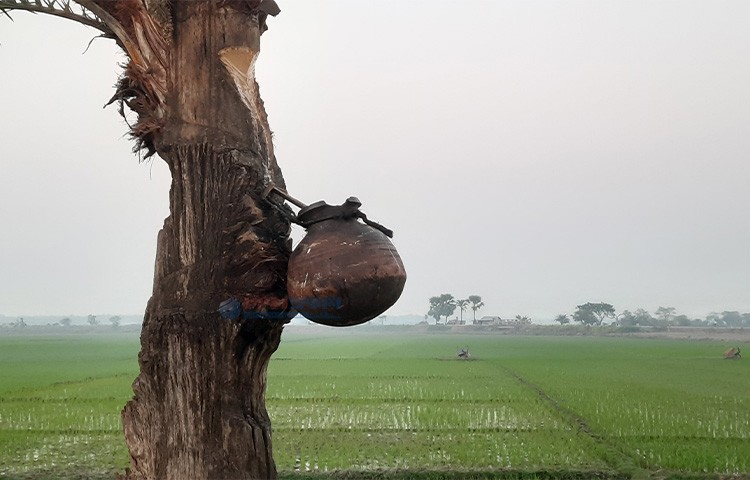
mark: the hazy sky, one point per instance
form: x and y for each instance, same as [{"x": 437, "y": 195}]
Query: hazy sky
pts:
[{"x": 540, "y": 154}]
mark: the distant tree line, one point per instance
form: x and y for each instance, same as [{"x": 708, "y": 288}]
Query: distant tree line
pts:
[
  {"x": 67, "y": 322},
  {"x": 596, "y": 314},
  {"x": 443, "y": 306}
]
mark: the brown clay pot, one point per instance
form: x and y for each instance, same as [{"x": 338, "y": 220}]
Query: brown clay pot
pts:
[{"x": 343, "y": 272}]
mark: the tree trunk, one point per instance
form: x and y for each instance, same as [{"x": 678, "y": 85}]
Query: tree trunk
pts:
[{"x": 199, "y": 409}]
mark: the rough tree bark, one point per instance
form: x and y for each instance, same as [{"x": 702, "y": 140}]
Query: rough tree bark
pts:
[{"x": 198, "y": 409}]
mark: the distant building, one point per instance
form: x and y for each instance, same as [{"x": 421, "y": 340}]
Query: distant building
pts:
[{"x": 491, "y": 320}]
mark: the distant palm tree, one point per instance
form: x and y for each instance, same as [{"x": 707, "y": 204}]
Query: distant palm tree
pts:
[
  {"x": 476, "y": 304},
  {"x": 462, "y": 304}
]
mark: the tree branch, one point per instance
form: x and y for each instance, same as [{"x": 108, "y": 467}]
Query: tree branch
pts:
[
  {"x": 59, "y": 8},
  {"x": 142, "y": 28}
]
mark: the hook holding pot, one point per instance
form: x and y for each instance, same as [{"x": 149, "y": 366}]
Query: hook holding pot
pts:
[{"x": 319, "y": 211}]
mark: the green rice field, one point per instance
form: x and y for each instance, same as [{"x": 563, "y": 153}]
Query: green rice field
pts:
[{"x": 403, "y": 405}]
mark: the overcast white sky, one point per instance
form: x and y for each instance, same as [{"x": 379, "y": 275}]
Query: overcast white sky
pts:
[{"x": 540, "y": 154}]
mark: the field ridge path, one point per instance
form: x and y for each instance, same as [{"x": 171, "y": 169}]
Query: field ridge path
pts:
[{"x": 624, "y": 464}]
